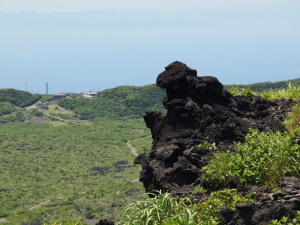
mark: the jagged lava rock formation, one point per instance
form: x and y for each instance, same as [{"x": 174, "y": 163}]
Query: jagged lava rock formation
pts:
[{"x": 199, "y": 109}]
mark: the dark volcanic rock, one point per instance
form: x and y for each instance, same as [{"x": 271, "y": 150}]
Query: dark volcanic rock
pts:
[
  {"x": 105, "y": 222},
  {"x": 284, "y": 202},
  {"x": 199, "y": 109}
]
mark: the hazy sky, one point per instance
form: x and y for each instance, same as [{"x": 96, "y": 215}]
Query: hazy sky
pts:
[
  {"x": 84, "y": 5},
  {"x": 76, "y": 45}
]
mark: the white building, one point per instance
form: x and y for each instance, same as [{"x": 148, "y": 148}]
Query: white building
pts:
[{"x": 90, "y": 94}]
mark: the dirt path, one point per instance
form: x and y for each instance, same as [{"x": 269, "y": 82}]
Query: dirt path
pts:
[
  {"x": 39, "y": 205},
  {"x": 132, "y": 149},
  {"x": 135, "y": 180},
  {"x": 135, "y": 154}
]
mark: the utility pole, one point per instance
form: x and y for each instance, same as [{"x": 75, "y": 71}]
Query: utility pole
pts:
[
  {"x": 46, "y": 88},
  {"x": 26, "y": 86}
]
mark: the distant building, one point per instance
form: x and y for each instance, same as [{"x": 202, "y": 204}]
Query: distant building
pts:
[
  {"x": 59, "y": 96},
  {"x": 90, "y": 94}
]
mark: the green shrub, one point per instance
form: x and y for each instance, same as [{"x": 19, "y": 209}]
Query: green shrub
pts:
[
  {"x": 6, "y": 108},
  {"x": 263, "y": 159},
  {"x": 19, "y": 117},
  {"x": 8, "y": 118},
  {"x": 35, "y": 112},
  {"x": 236, "y": 91}
]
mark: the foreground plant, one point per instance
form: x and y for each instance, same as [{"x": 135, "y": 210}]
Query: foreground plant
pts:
[
  {"x": 163, "y": 209},
  {"x": 157, "y": 210},
  {"x": 263, "y": 159}
]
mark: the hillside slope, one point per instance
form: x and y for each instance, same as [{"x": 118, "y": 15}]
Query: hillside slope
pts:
[
  {"x": 17, "y": 97},
  {"x": 265, "y": 86},
  {"x": 123, "y": 101}
]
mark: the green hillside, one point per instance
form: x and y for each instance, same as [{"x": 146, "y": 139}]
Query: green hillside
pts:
[
  {"x": 265, "y": 86},
  {"x": 123, "y": 101},
  {"x": 18, "y": 98}
]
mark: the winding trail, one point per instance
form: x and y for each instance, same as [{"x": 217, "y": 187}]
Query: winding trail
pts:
[
  {"x": 135, "y": 154},
  {"x": 132, "y": 149}
]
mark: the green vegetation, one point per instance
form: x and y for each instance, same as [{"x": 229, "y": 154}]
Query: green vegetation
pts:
[
  {"x": 55, "y": 173},
  {"x": 167, "y": 210},
  {"x": 293, "y": 119},
  {"x": 265, "y": 86},
  {"x": 35, "y": 112},
  {"x": 17, "y": 116},
  {"x": 142, "y": 145},
  {"x": 236, "y": 91},
  {"x": 289, "y": 93},
  {"x": 262, "y": 159},
  {"x": 46, "y": 98},
  {"x": 124, "y": 101},
  {"x": 18, "y": 98},
  {"x": 66, "y": 171},
  {"x": 6, "y": 108}
]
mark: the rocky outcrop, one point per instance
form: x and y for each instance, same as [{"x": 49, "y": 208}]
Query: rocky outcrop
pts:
[
  {"x": 199, "y": 110},
  {"x": 284, "y": 202}
]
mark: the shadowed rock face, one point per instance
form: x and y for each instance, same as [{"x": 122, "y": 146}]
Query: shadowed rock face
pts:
[{"x": 199, "y": 110}]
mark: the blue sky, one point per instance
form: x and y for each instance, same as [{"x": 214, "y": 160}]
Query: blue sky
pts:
[{"x": 91, "y": 44}]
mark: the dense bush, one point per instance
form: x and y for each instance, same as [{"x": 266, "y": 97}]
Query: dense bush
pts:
[
  {"x": 35, "y": 112},
  {"x": 242, "y": 91},
  {"x": 263, "y": 159},
  {"x": 13, "y": 117},
  {"x": 18, "y": 98},
  {"x": 6, "y": 108}
]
